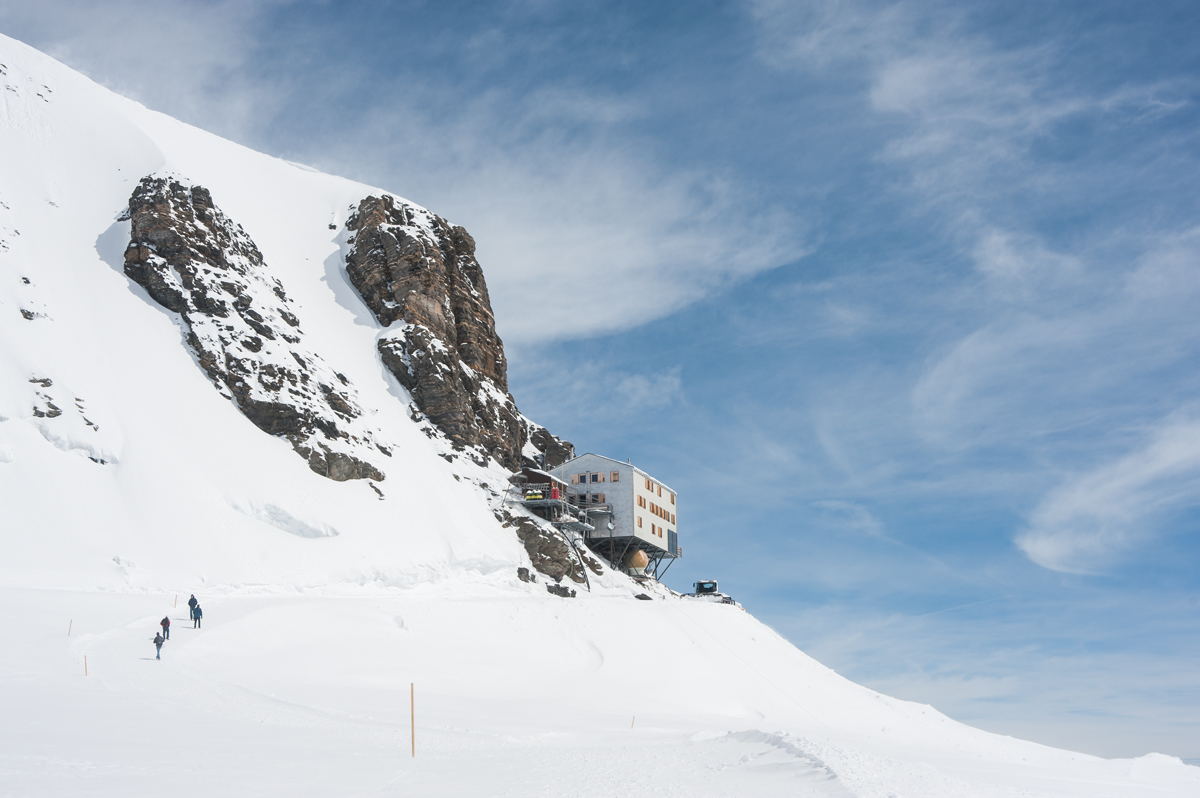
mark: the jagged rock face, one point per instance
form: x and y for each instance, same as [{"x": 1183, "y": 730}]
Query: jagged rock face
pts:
[
  {"x": 412, "y": 266},
  {"x": 469, "y": 409},
  {"x": 193, "y": 260}
]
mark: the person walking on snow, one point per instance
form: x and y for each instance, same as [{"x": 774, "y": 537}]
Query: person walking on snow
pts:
[
  {"x": 158, "y": 641},
  {"x": 197, "y": 614},
  {"x": 192, "y": 605},
  {"x": 165, "y": 623}
]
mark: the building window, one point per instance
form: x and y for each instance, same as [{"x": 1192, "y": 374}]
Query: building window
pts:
[
  {"x": 649, "y": 485},
  {"x": 595, "y": 477},
  {"x": 603, "y": 500},
  {"x": 660, "y": 490},
  {"x": 616, "y": 476},
  {"x": 639, "y": 520},
  {"x": 672, "y": 498},
  {"x": 672, "y": 518}
]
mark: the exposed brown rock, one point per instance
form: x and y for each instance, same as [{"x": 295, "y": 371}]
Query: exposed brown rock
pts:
[
  {"x": 194, "y": 261},
  {"x": 412, "y": 266},
  {"x": 548, "y": 552}
]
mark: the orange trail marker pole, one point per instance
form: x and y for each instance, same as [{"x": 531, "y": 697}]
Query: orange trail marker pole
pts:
[
  {"x": 85, "y": 664},
  {"x": 412, "y": 715},
  {"x": 176, "y": 604},
  {"x": 72, "y": 623},
  {"x": 633, "y": 721}
]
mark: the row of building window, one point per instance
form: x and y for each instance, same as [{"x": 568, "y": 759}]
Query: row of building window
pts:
[
  {"x": 595, "y": 476},
  {"x": 582, "y": 498},
  {"x": 654, "y": 487},
  {"x": 654, "y": 508}
]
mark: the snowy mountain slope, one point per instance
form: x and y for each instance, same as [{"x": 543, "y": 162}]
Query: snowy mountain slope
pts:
[
  {"x": 126, "y": 477},
  {"x": 192, "y": 489}
]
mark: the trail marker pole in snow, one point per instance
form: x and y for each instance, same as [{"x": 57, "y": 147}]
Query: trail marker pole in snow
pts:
[
  {"x": 85, "y": 664},
  {"x": 412, "y": 715},
  {"x": 72, "y": 623},
  {"x": 176, "y": 604},
  {"x": 633, "y": 721}
]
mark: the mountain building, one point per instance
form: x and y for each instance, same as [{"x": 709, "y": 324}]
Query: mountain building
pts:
[{"x": 629, "y": 510}]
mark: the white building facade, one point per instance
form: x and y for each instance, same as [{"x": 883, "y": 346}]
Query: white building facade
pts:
[{"x": 631, "y": 505}]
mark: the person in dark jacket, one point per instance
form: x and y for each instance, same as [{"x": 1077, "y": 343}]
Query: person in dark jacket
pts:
[
  {"x": 165, "y": 623},
  {"x": 192, "y": 601},
  {"x": 197, "y": 614},
  {"x": 158, "y": 641}
]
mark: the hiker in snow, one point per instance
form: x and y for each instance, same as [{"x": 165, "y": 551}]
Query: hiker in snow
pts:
[
  {"x": 197, "y": 614},
  {"x": 158, "y": 641},
  {"x": 165, "y": 623},
  {"x": 192, "y": 605}
]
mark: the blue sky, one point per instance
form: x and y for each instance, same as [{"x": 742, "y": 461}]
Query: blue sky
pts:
[{"x": 901, "y": 297}]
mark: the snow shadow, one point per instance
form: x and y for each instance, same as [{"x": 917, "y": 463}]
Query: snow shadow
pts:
[
  {"x": 111, "y": 246},
  {"x": 344, "y": 292}
]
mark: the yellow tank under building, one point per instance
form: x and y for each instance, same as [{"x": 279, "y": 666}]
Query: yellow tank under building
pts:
[{"x": 636, "y": 563}]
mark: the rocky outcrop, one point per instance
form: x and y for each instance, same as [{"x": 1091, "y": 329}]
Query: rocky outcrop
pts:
[
  {"x": 419, "y": 276},
  {"x": 550, "y": 451},
  {"x": 193, "y": 260},
  {"x": 548, "y": 552},
  {"x": 470, "y": 409}
]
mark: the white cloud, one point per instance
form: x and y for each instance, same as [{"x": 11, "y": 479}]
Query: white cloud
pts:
[
  {"x": 579, "y": 234},
  {"x": 1089, "y": 520},
  {"x": 1020, "y": 267},
  {"x": 609, "y": 394},
  {"x": 657, "y": 390}
]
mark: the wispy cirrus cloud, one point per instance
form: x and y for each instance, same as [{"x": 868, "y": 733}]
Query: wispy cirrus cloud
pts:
[
  {"x": 1060, "y": 339},
  {"x": 1083, "y": 524}
]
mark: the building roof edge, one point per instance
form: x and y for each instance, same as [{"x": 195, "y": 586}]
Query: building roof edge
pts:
[{"x": 618, "y": 462}]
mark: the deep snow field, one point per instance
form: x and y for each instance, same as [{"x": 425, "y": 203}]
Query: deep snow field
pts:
[
  {"x": 517, "y": 693},
  {"x": 324, "y": 601}
]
